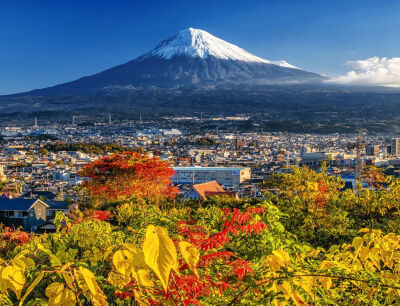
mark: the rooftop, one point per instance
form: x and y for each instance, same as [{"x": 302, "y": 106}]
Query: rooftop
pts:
[
  {"x": 208, "y": 168},
  {"x": 17, "y": 204}
]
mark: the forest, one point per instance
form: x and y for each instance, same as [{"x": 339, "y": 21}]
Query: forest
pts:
[{"x": 134, "y": 241}]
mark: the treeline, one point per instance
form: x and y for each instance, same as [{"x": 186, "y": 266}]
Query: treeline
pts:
[{"x": 93, "y": 148}]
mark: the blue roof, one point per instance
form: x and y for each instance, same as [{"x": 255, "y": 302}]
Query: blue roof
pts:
[
  {"x": 57, "y": 204},
  {"x": 16, "y": 204}
]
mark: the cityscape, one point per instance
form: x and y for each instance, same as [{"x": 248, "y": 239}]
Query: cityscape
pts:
[
  {"x": 199, "y": 153},
  {"x": 40, "y": 159}
]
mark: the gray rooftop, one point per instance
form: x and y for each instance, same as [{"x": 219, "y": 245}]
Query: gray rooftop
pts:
[{"x": 208, "y": 168}]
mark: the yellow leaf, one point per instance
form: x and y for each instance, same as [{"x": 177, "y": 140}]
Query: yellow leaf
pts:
[
  {"x": 59, "y": 295},
  {"x": 283, "y": 255},
  {"x": 190, "y": 254},
  {"x": 19, "y": 263},
  {"x": 122, "y": 261},
  {"x": 54, "y": 289},
  {"x": 90, "y": 280},
  {"x": 278, "y": 259},
  {"x": 136, "y": 255},
  {"x": 68, "y": 279},
  {"x": 142, "y": 276},
  {"x": 14, "y": 278},
  {"x": 55, "y": 262},
  {"x": 297, "y": 299},
  {"x": 274, "y": 262},
  {"x": 31, "y": 287},
  {"x": 357, "y": 243},
  {"x": 87, "y": 282},
  {"x": 286, "y": 287},
  {"x": 118, "y": 279},
  {"x": 108, "y": 252},
  {"x": 66, "y": 298},
  {"x": 326, "y": 282},
  {"x": 160, "y": 253},
  {"x": 306, "y": 283},
  {"x": 99, "y": 300},
  {"x": 364, "y": 252}
]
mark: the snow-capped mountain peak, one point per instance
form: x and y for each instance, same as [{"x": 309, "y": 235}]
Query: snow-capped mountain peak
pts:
[{"x": 199, "y": 43}]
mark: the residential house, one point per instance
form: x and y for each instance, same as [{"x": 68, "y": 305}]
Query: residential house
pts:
[
  {"x": 202, "y": 191},
  {"x": 29, "y": 213}
]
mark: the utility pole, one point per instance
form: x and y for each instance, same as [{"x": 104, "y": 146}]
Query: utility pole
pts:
[
  {"x": 358, "y": 163},
  {"x": 109, "y": 119},
  {"x": 36, "y": 125},
  {"x": 287, "y": 160}
]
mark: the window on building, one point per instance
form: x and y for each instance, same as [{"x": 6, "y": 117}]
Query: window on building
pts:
[
  {"x": 39, "y": 211},
  {"x": 51, "y": 213},
  {"x": 24, "y": 214},
  {"x": 11, "y": 213},
  {"x": 32, "y": 213}
]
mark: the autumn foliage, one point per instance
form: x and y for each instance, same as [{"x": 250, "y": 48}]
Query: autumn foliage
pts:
[
  {"x": 188, "y": 279},
  {"x": 222, "y": 252},
  {"x": 129, "y": 175}
]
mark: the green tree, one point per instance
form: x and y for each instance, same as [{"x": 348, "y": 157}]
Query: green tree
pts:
[{"x": 43, "y": 151}]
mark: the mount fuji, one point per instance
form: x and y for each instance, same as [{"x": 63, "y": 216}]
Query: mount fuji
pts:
[{"x": 192, "y": 57}]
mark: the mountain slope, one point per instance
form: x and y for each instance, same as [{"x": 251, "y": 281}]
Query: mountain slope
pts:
[{"x": 191, "y": 57}]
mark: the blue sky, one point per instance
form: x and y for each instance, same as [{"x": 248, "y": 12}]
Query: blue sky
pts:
[{"x": 46, "y": 42}]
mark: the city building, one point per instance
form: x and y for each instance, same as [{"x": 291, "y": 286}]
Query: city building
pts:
[
  {"x": 372, "y": 150},
  {"x": 227, "y": 176},
  {"x": 240, "y": 143},
  {"x": 395, "y": 148},
  {"x": 313, "y": 159}
]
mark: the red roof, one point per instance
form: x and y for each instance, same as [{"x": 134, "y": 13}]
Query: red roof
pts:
[{"x": 208, "y": 188}]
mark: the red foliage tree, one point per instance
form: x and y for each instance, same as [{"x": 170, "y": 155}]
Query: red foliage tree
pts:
[{"x": 119, "y": 177}]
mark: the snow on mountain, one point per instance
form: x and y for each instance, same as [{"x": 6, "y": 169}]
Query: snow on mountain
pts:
[
  {"x": 284, "y": 64},
  {"x": 191, "y": 58},
  {"x": 199, "y": 43}
]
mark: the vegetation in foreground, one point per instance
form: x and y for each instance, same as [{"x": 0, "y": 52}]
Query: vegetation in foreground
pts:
[{"x": 311, "y": 243}]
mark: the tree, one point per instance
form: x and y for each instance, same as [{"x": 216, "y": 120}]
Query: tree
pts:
[
  {"x": 43, "y": 151},
  {"x": 312, "y": 202},
  {"x": 373, "y": 175},
  {"x": 130, "y": 175}
]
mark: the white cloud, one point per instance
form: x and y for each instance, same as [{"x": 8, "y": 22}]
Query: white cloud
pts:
[{"x": 372, "y": 71}]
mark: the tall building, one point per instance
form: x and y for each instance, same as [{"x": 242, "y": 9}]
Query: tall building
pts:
[
  {"x": 240, "y": 143},
  {"x": 2, "y": 175},
  {"x": 372, "y": 150},
  {"x": 396, "y": 146}
]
